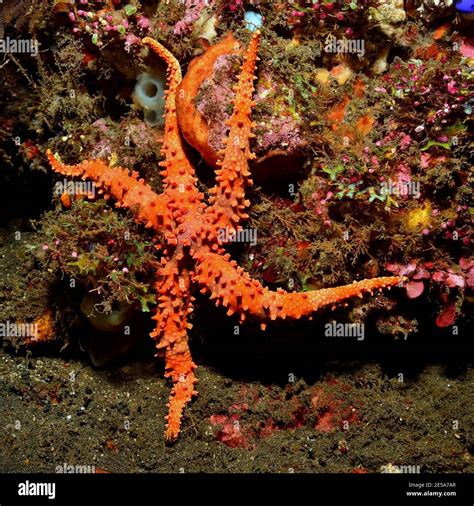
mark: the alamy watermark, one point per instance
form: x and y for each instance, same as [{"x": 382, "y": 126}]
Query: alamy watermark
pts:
[
  {"x": 335, "y": 329},
  {"x": 353, "y": 46},
  {"x": 27, "y": 488},
  {"x": 10, "y": 329},
  {"x": 227, "y": 235},
  {"x": 66, "y": 468},
  {"x": 75, "y": 188},
  {"x": 396, "y": 469},
  {"x": 25, "y": 46},
  {"x": 401, "y": 188}
]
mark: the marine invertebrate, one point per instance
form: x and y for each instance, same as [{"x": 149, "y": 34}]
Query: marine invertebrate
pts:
[
  {"x": 457, "y": 279},
  {"x": 466, "y": 8},
  {"x": 189, "y": 233},
  {"x": 44, "y": 328},
  {"x": 106, "y": 322},
  {"x": 253, "y": 20},
  {"x": 149, "y": 94},
  {"x": 192, "y": 124},
  {"x": 206, "y": 94}
]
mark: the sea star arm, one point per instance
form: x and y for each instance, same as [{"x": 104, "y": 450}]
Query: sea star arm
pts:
[
  {"x": 228, "y": 203},
  {"x": 179, "y": 176},
  {"x": 129, "y": 191},
  {"x": 174, "y": 305},
  {"x": 232, "y": 287}
]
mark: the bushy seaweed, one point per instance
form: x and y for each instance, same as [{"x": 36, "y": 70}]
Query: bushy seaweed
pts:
[{"x": 102, "y": 250}]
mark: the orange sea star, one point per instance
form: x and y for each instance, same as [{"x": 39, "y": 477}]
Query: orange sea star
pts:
[{"x": 188, "y": 231}]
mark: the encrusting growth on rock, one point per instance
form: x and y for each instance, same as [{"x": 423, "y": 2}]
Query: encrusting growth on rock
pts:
[{"x": 187, "y": 231}]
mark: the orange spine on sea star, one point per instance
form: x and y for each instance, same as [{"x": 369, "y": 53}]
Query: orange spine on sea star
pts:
[
  {"x": 178, "y": 173},
  {"x": 174, "y": 304},
  {"x": 125, "y": 187},
  {"x": 232, "y": 287},
  {"x": 228, "y": 196}
]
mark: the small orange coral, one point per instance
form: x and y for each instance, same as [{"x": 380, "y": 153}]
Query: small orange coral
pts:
[
  {"x": 365, "y": 124},
  {"x": 442, "y": 31},
  {"x": 337, "y": 113},
  {"x": 359, "y": 88},
  {"x": 43, "y": 328},
  {"x": 66, "y": 200}
]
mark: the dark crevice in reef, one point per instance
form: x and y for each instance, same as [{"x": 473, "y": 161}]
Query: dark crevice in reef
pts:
[{"x": 26, "y": 196}]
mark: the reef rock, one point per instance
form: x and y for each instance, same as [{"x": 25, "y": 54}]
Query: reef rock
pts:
[
  {"x": 389, "y": 14},
  {"x": 204, "y": 103},
  {"x": 431, "y": 10}
]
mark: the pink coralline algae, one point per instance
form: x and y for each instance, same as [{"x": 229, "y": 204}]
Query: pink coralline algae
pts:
[
  {"x": 418, "y": 273},
  {"x": 130, "y": 40},
  {"x": 107, "y": 142},
  {"x": 428, "y": 160},
  {"x": 282, "y": 134},
  {"x": 143, "y": 22},
  {"x": 405, "y": 141},
  {"x": 467, "y": 47},
  {"x": 438, "y": 273},
  {"x": 415, "y": 289},
  {"x": 278, "y": 130},
  {"x": 194, "y": 9},
  {"x": 447, "y": 316},
  {"x": 214, "y": 97},
  {"x": 403, "y": 180},
  {"x": 327, "y": 408},
  {"x": 230, "y": 431},
  {"x": 321, "y": 206},
  {"x": 429, "y": 270}
]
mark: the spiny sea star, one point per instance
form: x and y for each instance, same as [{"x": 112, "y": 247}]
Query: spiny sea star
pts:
[{"x": 188, "y": 231}]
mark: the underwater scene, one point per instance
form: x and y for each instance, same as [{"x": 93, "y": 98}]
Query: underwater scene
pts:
[{"x": 236, "y": 237}]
